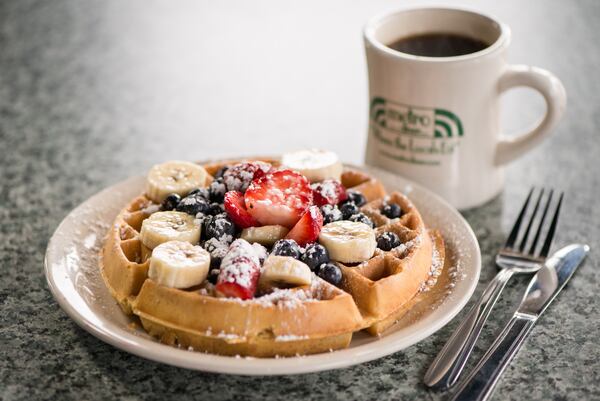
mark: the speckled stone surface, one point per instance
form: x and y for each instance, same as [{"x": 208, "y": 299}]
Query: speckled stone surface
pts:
[{"x": 93, "y": 92}]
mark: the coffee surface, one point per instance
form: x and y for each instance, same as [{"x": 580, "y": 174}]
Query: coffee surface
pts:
[{"x": 438, "y": 45}]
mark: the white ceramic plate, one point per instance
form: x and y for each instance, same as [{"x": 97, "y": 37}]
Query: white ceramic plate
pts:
[{"x": 71, "y": 268}]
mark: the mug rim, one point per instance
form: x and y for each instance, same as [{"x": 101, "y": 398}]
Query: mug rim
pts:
[{"x": 374, "y": 23}]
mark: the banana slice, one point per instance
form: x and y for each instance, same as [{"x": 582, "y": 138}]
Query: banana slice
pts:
[
  {"x": 284, "y": 271},
  {"x": 174, "y": 177},
  {"x": 315, "y": 164},
  {"x": 348, "y": 241},
  {"x": 179, "y": 264},
  {"x": 161, "y": 227},
  {"x": 265, "y": 235}
]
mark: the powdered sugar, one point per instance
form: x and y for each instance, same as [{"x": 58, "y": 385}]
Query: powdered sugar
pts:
[
  {"x": 216, "y": 248},
  {"x": 191, "y": 201},
  {"x": 218, "y": 188},
  {"x": 261, "y": 251},
  {"x": 232, "y": 337},
  {"x": 437, "y": 264},
  {"x": 222, "y": 226},
  {"x": 331, "y": 213},
  {"x": 227, "y": 336},
  {"x": 239, "y": 271},
  {"x": 314, "y": 212},
  {"x": 285, "y": 298},
  {"x": 238, "y": 182},
  {"x": 408, "y": 245},
  {"x": 290, "y": 337},
  {"x": 328, "y": 189},
  {"x": 321, "y": 291},
  {"x": 312, "y": 252}
]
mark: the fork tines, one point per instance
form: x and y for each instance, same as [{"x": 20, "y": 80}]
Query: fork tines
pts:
[{"x": 518, "y": 232}]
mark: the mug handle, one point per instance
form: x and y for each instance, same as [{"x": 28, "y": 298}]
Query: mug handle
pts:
[{"x": 553, "y": 91}]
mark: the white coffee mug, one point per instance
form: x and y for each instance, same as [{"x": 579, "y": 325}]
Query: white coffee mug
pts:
[{"x": 435, "y": 120}]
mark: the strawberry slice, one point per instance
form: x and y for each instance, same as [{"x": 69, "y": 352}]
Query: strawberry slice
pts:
[
  {"x": 239, "y": 271},
  {"x": 280, "y": 197},
  {"x": 236, "y": 210},
  {"x": 328, "y": 192},
  {"x": 309, "y": 226},
  {"x": 238, "y": 279},
  {"x": 239, "y": 176}
]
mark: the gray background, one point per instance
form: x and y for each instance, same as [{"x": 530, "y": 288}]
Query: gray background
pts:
[{"x": 93, "y": 92}]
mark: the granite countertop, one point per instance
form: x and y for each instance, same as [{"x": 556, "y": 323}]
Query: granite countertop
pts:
[{"x": 94, "y": 92}]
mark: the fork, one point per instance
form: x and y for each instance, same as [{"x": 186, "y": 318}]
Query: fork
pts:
[{"x": 514, "y": 258}]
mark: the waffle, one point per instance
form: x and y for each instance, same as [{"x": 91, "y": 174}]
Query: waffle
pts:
[{"x": 286, "y": 322}]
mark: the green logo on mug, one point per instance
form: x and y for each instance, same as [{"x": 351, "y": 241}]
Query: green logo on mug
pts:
[{"x": 418, "y": 135}]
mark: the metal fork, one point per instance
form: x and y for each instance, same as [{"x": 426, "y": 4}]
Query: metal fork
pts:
[{"x": 515, "y": 257}]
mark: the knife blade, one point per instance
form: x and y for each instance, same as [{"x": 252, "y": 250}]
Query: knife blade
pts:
[{"x": 541, "y": 291}]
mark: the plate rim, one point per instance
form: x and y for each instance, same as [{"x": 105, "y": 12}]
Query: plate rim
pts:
[{"x": 155, "y": 351}]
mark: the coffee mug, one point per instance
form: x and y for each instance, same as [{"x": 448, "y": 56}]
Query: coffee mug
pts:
[{"x": 435, "y": 120}]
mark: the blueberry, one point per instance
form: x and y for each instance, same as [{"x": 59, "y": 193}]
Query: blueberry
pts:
[
  {"x": 217, "y": 250},
  {"x": 220, "y": 227},
  {"x": 362, "y": 218},
  {"x": 221, "y": 171},
  {"x": 287, "y": 247},
  {"x": 216, "y": 190},
  {"x": 348, "y": 209},
  {"x": 261, "y": 252},
  {"x": 330, "y": 273},
  {"x": 330, "y": 213},
  {"x": 357, "y": 198},
  {"x": 171, "y": 202},
  {"x": 203, "y": 192},
  {"x": 204, "y": 221},
  {"x": 216, "y": 208},
  {"x": 315, "y": 255},
  {"x": 391, "y": 210},
  {"x": 388, "y": 241},
  {"x": 213, "y": 274},
  {"x": 193, "y": 204}
]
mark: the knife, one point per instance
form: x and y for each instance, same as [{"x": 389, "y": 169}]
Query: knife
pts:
[{"x": 542, "y": 289}]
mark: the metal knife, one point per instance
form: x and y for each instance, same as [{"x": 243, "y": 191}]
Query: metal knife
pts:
[{"x": 542, "y": 289}]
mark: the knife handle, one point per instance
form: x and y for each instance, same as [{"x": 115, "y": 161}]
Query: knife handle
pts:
[
  {"x": 450, "y": 361},
  {"x": 481, "y": 382}
]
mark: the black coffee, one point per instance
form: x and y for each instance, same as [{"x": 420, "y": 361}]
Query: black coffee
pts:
[{"x": 438, "y": 45}]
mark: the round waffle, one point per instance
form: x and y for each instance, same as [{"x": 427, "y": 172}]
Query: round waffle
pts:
[{"x": 285, "y": 322}]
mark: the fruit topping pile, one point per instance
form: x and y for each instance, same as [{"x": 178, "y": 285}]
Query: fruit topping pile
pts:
[{"x": 253, "y": 228}]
